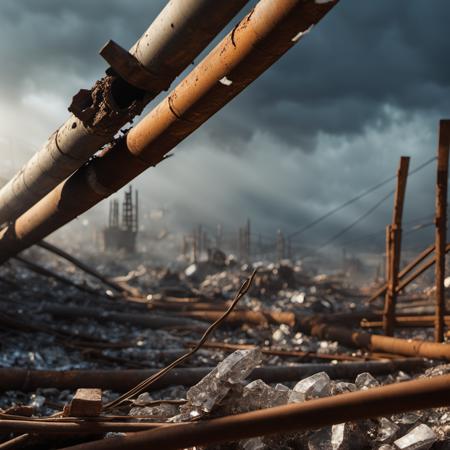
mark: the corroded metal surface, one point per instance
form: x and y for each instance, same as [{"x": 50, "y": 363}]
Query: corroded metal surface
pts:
[
  {"x": 169, "y": 45},
  {"x": 257, "y": 42}
]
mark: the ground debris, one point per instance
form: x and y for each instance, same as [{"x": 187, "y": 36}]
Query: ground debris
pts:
[{"x": 227, "y": 389}]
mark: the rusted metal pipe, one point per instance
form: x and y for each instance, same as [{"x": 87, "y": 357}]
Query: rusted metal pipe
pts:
[
  {"x": 75, "y": 426},
  {"x": 258, "y": 41},
  {"x": 441, "y": 226},
  {"x": 261, "y": 318},
  {"x": 405, "y": 280},
  {"x": 313, "y": 414},
  {"x": 36, "y": 268},
  {"x": 148, "y": 319},
  {"x": 179, "y": 33},
  {"x": 82, "y": 266},
  {"x": 406, "y": 321},
  {"x": 121, "y": 380},
  {"x": 410, "y": 266},
  {"x": 374, "y": 343}
]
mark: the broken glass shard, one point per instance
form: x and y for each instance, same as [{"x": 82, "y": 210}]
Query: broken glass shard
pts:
[
  {"x": 366, "y": 381},
  {"x": 422, "y": 437},
  {"x": 315, "y": 386}
]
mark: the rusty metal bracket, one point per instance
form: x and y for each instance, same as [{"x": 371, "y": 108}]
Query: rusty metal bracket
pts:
[{"x": 130, "y": 69}]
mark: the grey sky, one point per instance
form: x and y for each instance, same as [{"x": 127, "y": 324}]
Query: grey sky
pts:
[{"x": 327, "y": 121}]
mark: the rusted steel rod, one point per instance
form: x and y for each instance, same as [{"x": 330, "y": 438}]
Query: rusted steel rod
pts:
[
  {"x": 179, "y": 33},
  {"x": 406, "y": 322},
  {"x": 16, "y": 442},
  {"x": 262, "y": 318},
  {"x": 77, "y": 426},
  {"x": 122, "y": 380},
  {"x": 148, "y": 319},
  {"x": 213, "y": 305},
  {"x": 257, "y": 42},
  {"x": 85, "y": 268},
  {"x": 410, "y": 266},
  {"x": 441, "y": 226},
  {"x": 423, "y": 268},
  {"x": 412, "y": 276},
  {"x": 36, "y": 268},
  {"x": 374, "y": 343},
  {"x": 394, "y": 239},
  {"x": 355, "y": 319},
  {"x": 313, "y": 414}
]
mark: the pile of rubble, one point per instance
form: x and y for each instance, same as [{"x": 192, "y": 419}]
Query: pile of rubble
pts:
[{"x": 50, "y": 329}]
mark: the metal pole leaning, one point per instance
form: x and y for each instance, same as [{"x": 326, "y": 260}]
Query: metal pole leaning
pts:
[
  {"x": 394, "y": 237},
  {"x": 85, "y": 268},
  {"x": 441, "y": 226},
  {"x": 179, "y": 33},
  {"x": 257, "y": 42}
]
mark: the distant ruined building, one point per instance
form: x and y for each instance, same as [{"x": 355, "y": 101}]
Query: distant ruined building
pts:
[{"x": 121, "y": 234}]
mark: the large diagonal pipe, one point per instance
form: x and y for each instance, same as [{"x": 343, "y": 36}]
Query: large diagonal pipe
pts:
[
  {"x": 179, "y": 33},
  {"x": 259, "y": 40}
]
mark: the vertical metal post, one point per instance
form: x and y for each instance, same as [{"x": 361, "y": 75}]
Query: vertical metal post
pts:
[
  {"x": 240, "y": 244},
  {"x": 205, "y": 241},
  {"x": 219, "y": 233},
  {"x": 199, "y": 242},
  {"x": 441, "y": 226},
  {"x": 110, "y": 214},
  {"x": 247, "y": 241},
  {"x": 393, "y": 247},
  {"x": 136, "y": 210},
  {"x": 194, "y": 246},
  {"x": 184, "y": 248},
  {"x": 280, "y": 246}
]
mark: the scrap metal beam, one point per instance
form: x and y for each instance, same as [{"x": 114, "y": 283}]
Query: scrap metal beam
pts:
[
  {"x": 404, "y": 279},
  {"x": 122, "y": 380},
  {"x": 374, "y": 342},
  {"x": 179, "y": 33},
  {"x": 441, "y": 226},
  {"x": 257, "y": 42},
  {"x": 371, "y": 403}
]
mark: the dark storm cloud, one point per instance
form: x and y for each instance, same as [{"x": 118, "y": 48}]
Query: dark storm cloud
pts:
[
  {"x": 47, "y": 37},
  {"x": 362, "y": 56}
]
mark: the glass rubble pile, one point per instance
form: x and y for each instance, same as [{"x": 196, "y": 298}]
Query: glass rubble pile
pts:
[{"x": 227, "y": 389}]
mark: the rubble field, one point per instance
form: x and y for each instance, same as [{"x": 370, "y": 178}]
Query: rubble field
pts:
[{"x": 259, "y": 357}]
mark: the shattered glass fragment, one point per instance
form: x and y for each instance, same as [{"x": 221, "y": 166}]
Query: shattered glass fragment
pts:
[
  {"x": 315, "y": 386},
  {"x": 342, "y": 436},
  {"x": 386, "y": 430},
  {"x": 407, "y": 418},
  {"x": 341, "y": 387},
  {"x": 421, "y": 437},
  {"x": 37, "y": 401},
  {"x": 208, "y": 392},
  {"x": 366, "y": 381},
  {"x": 253, "y": 444},
  {"x": 259, "y": 395}
]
